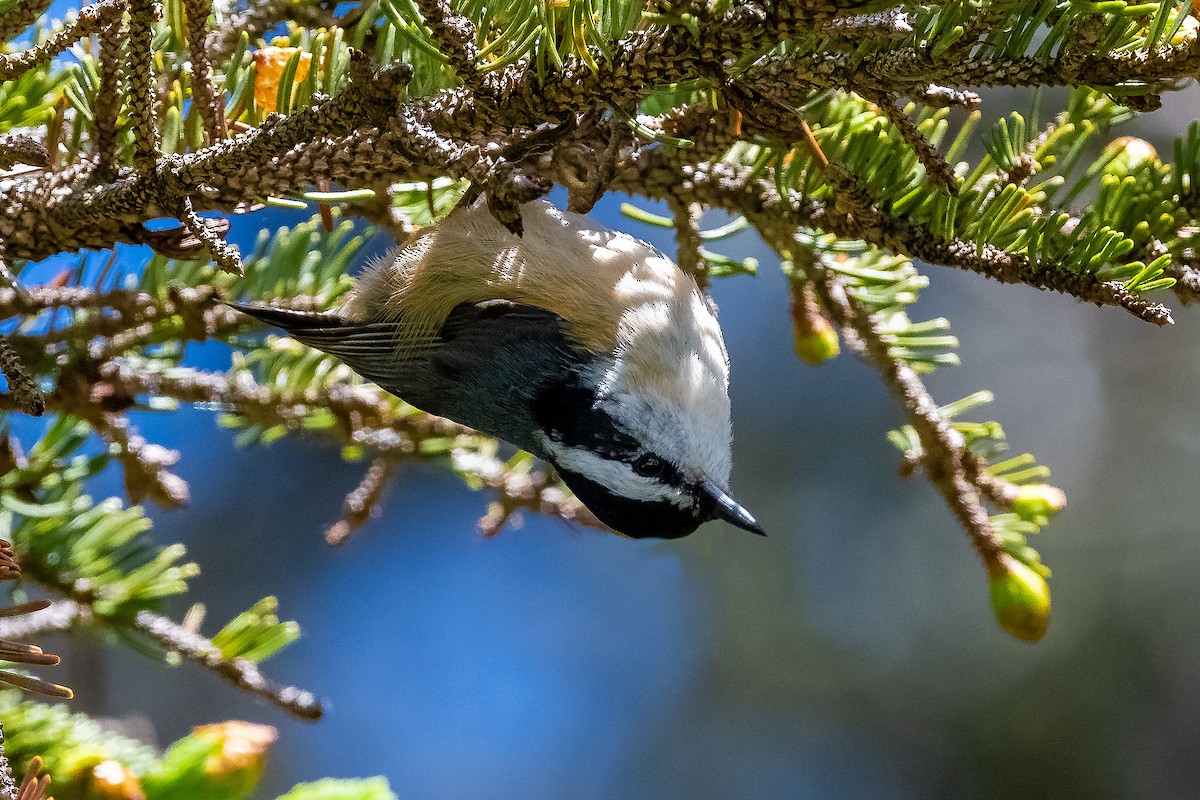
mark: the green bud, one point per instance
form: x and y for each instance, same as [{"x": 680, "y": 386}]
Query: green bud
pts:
[
  {"x": 1020, "y": 598},
  {"x": 1037, "y": 502},
  {"x": 1129, "y": 153},
  {"x": 110, "y": 780},
  {"x": 222, "y": 761},
  {"x": 816, "y": 342}
]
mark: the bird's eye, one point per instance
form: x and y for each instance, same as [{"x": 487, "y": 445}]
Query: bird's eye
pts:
[{"x": 648, "y": 466}]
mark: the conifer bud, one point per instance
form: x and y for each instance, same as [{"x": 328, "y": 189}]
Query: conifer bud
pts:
[
  {"x": 814, "y": 338},
  {"x": 1037, "y": 502},
  {"x": 242, "y": 750},
  {"x": 111, "y": 780},
  {"x": 223, "y": 761},
  {"x": 1020, "y": 598},
  {"x": 1129, "y": 153}
]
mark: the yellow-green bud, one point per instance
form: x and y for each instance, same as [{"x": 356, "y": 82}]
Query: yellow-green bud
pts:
[
  {"x": 242, "y": 752},
  {"x": 1020, "y": 598},
  {"x": 1037, "y": 502},
  {"x": 817, "y": 342},
  {"x": 814, "y": 338},
  {"x": 1129, "y": 153},
  {"x": 111, "y": 780}
]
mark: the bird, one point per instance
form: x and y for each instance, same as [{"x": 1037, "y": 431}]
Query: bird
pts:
[{"x": 582, "y": 345}]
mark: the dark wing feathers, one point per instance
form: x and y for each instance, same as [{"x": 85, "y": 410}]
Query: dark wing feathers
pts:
[
  {"x": 367, "y": 347},
  {"x": 482, "y": 368}
]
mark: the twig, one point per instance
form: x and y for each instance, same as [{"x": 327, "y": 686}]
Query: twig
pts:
[
  {"x": 936, "y": 167},
  {"x": 244, "y": 674},
  {"x": 57, "y": 617},
  {"x": 688, "y": 241},
  {"x": 941, "y": 453},
  {"x": 23, "y": 389},
  {"x": 212, "y": 110},
  {"x": 143, "y": 14},
  {"x": 91, "y": 20},
  {"x": 259, "y": 17},
  {"x": 362, "y": 503},
  {"x": 224, "y": 254},
  {"x": 20, "y": 16},
  {"x": 107, "y": 102},
  {"x": 16, "y": 148},
  {"x": 736, "y": 190},
  {"x": 456, "y": 36},
  {"x": 146, "y": 465}
]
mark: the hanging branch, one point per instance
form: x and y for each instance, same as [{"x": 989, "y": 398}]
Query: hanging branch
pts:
[
  {"x": 91, "y": 20},
  {"x": 23, "y": 389},
  {"x": 942, "y": 455},
  {"x": 242, "y": 673},
  {"x": 107, "y": 103},
  {"x": 362, "y": 503},
  {"x": 688, "y": 240},
  {"x": 212, "y": 108},
  {"x": 224, "y": 254},
  {"x": 736, "y": 190},
  {"x": 143, "y": 97}
]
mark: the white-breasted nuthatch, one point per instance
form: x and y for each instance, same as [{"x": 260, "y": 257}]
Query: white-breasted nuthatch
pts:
[{"x": 581, "y": 345}]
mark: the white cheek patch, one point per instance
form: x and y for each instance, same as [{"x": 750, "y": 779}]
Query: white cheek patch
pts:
[
  {"x": 616, "y": 476},
  {"x": 668, "y": 383}
]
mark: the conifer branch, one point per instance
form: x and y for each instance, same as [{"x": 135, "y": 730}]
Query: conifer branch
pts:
[
  {"x": 1187, "y": 282},
  {"x": 146, "y": 465},
  {"x": 23, "y": 389},
  {"x": 941, "y": 451},
  {"x": 687, "y": 239},
  {"x": 456, "y": 36},
  {"x": 16, "y": 148},
  {"x": 212, "y": 109},
  {"x": 91, "y": 20},
  {"x": 20, "y": 16},
  {"x": 936, "y": 167},
  {"x": 224, "y": 254},
  {"x": 107, "y": 103},
  {"x": 143, "y": 94},
  {"x": 260, "y": 16},
  {"x": 736, "y": 190},
  {"x": 362, "y": 503},
  {"x": 242, "y": 673}
]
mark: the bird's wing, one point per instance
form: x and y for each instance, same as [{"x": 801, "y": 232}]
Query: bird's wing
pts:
[
  {"x": 367, "y": 347},
  {"x": 497, "y": 342}
]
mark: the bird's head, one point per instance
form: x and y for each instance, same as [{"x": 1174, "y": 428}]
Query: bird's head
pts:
[{"x": 642, "y": 436}]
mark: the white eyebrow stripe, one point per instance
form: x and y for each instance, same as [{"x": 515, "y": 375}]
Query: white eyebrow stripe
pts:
[{"x": 616, "y": 476}]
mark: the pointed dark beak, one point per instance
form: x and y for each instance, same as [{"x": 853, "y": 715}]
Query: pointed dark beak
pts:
[{"x": 726, "y": 508}]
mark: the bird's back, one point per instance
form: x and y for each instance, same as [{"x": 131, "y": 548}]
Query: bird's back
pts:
[{"x": 590, "y": 277}]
